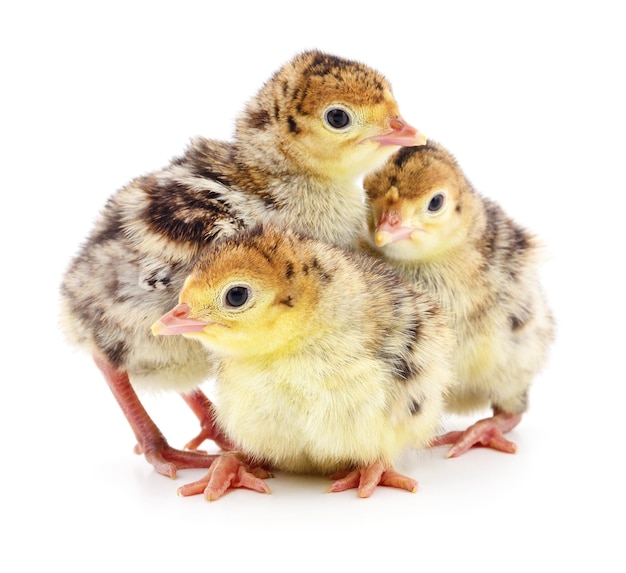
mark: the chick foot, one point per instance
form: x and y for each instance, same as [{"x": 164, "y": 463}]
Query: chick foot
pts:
[
  {"x": 204, "y": 410},
  {"x": 166, "y": 460},
  {"x": 150, "y": 441},
  {"x": 365, "y": 480},
  {"x": 228, "y": 471},
  {"x": 488, "y": 433}
]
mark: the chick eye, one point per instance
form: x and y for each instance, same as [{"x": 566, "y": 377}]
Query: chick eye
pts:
[
  {"x": 436, "y": 203},
  {"x": 237, "y": 296},
  {"x": 337, "y": 118}
]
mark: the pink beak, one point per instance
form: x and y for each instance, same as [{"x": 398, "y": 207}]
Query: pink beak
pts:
[
  {"x": 177, "y": 321},
  {"x": 390, "y": 229},
  {"x": 401, "y": 134}
]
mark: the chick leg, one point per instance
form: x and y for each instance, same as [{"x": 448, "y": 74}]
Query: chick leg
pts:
[
  {"x": 151, "y": 442},
  {"x": 204, "y": 410},
  {"x": 228, "y": 471},
  {"x": 488, "y": 432},
  {"x": 365, "y": 480}
]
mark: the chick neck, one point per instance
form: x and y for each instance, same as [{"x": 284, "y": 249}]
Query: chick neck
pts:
[{"x": 325, "y": 205}]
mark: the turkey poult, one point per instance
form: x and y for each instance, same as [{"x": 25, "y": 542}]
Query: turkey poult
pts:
[
  {"x": 299, "y": 146},
  {"x": 328, "y": 362},
  {"x": 427, "y": 220}
]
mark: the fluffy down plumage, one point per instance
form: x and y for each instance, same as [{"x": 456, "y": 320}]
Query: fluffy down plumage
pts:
[
  {"x": 315, "y": 126},
  {"x": 328, "y": 360},
  {"x": 428, "y": 221}
]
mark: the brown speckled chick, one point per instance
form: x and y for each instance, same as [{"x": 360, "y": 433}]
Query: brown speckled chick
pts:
[
  {"x": 300, "y": 144},
  {"x": 328, "y": 361},
  {"x": 429, "y": 223}
]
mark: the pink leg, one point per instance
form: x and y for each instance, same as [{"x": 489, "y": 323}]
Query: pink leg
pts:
[
  {"x": 205, "y": 412},
  {"x": 365, "y": 480},
  {"x": 488, "y": 433},
  {"x": 228, "y": 471},
  {"x": 151, "y": 442}
]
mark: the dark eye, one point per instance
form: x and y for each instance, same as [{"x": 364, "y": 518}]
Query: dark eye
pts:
[
  {"x": 436, "y": 203},
  {"x": 337, "y": 118},
  {"x": 237, "y": 296}
]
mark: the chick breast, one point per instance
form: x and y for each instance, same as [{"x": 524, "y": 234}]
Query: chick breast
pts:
[{"x": 332, "y": 361}]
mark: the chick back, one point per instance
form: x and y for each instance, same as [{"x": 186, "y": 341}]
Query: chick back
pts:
[{"x": 133, "y": 264}]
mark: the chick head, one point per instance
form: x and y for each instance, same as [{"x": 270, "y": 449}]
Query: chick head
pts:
[
  {"x": 331, "y": 117},
  {"x": 245, "y": 296},
  {"x": 418, "y": 203}
]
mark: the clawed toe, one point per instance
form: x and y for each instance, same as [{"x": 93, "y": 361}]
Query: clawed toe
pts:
[{"x": 366, "y": 480}]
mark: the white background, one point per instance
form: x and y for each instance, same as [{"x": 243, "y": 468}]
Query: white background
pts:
[{"x": 528, "y": 96}]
